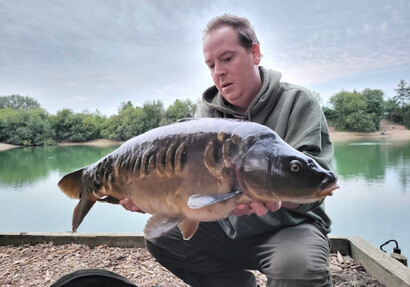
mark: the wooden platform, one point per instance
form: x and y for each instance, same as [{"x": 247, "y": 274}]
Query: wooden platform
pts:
[{"x": 378, "y": 264}]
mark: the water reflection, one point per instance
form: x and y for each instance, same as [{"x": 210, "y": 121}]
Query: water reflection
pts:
[
  {"x": 24, "y": 166},
  {"x": 373, "y": 201},
  {"x": 368, "y": 159},
  {"x": 373, "y": 159}
]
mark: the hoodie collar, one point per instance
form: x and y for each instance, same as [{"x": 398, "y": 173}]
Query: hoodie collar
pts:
[{"x": 261, "y": 105}]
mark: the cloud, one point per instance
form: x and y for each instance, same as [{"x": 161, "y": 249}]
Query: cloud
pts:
[{"x": 95, "y": 54}]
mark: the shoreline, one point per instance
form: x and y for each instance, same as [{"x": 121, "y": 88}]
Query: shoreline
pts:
[
  {"x": 387, "y": 131},
  {"x": 96, "y": 143}
]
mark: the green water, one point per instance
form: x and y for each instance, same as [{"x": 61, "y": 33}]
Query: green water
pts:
[{"x": 373, "y": 201}]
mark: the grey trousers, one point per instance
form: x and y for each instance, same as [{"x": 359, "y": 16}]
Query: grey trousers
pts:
[{"x": 294, "y": 256}]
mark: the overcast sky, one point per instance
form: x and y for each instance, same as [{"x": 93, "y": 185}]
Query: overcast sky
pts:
[{"x": 95, "y": 54}]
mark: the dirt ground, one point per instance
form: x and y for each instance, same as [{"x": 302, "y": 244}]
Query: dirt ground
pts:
[
  {"x": 43, "y": 264},
  {"x": 387, "y": 130}
]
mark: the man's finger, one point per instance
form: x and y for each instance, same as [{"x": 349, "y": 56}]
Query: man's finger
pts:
[
  {"x": 242, "y": 209},
  {"x": 259, "y": 208},
  {"x": 130, "y": 206},
  {"x": 273, "y": 205}
]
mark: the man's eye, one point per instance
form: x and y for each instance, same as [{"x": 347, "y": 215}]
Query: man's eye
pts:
[
  {"x": 228, "y": 59},
  {"x": 211, "y": 66}
]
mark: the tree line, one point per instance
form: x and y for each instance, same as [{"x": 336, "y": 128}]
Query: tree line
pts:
[
  {"x": 24, "y": 122},
  {"x": 362, "y": 111}
]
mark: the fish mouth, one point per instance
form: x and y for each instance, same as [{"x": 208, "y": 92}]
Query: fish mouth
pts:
[{"x": 328, "y": 190}]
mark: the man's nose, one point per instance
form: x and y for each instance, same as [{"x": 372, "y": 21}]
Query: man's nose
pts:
[{"x": 219, "y": 70}]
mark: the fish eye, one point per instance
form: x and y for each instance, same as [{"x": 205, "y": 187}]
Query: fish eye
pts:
[{"x": 295, "y": 166}]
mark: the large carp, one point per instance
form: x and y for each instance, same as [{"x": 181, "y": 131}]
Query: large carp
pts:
[{"x": 198, "y": 170}]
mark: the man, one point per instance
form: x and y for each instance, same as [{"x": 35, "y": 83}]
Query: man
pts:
[{"x": 285, "y": 241}]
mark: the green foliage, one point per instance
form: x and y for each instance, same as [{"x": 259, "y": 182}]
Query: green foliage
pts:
[
  {"x": 355, "y": 111},
  {"x": 178, "y": 110},
  {"x": 330, "y": 115},
  {"x": 375, "y": 105},
  {"x": 17, "y": 102},
  {"x": 153, "y": 113},
  {"x": 127, "y": 124},
  {"x": 35, "y": 127},
  {"x": 403, "y": 94},
  {"x": 76, "y": 127},
  {"x": 398, "y": 108},
  {"x": 393, "y": 111},
  {"x": 406, "y": 117},
  {"x": 25, "y": 127}
]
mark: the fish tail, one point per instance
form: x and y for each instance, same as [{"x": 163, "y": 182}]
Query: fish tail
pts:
[
  {"x": 80, "y": 211},
  {"x": 71, "y": 184}
]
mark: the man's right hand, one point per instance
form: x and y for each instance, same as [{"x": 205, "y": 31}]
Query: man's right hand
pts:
[{"x": 129, "y": 205}]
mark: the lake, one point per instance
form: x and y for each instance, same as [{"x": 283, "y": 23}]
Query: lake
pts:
[{"x": 373, "y": 201}]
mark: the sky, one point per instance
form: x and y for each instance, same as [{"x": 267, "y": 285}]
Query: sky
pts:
[{"x": 89, "y": 55}]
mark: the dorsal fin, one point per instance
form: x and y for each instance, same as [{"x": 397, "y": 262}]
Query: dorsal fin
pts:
[
  {"x": 197, "y": 201},
  {"x": 71, "y": 184},
  {"x": 186, "y": 120}
]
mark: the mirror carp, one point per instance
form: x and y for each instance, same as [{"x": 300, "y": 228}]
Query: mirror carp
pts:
[{"x": 198, "y": 170}]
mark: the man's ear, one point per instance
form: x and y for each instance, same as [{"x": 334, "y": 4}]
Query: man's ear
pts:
[{"x": 256, "y": 54}]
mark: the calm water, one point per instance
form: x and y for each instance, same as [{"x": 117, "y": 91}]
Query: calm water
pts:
[{"x": 373, "y": 201}]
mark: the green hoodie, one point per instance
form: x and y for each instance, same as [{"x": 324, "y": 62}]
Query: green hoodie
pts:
[{"x": 295, "y": 115}]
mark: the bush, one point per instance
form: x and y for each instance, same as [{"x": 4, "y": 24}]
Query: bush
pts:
[
  {"x": 358, "y": 112},
  {"x": 26, "y": 127},
  {"x": 76, "y": 127}
]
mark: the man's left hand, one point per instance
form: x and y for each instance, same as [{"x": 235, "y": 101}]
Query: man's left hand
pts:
[{"x": 257, "y": 207}]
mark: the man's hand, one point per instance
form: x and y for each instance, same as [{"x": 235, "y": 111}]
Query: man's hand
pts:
[
  {"x": 257, "y": 207},
  {"x": 129, "y": 205},
  {"x": 261, "y": 208}
]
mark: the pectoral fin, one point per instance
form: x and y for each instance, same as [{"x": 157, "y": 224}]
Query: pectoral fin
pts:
[
  {"x": 188, "y": 228},
  {"x": 197, "y": 201},
  {"x": 158, "y": 225}
]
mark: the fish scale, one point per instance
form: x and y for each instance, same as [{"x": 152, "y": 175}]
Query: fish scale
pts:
[{"x": 212, "y": 164}]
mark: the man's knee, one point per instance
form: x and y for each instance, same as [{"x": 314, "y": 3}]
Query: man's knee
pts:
[
  {"x": 297, "y": 258},
  {"x": 296, "y": 264}
]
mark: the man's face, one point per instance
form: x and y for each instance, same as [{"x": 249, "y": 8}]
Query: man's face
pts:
[{"x": 233, "y": 68}]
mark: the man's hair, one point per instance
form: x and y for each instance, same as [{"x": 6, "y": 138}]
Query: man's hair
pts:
[{"x": 242, "y": 26}]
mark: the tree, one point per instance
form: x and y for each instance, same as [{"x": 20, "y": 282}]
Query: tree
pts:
[
  {"x": 375, "y": 105},
  {"x": 125, "y": 105},
  {"x": 76, "y": 127},
  {"x": 17, "y": 102},
  {"x": 351, "y": 112},
  {"x": 178, "y": 110},
  {"x": 62, "y": 124},
  {"x": 403, "y": 94},
  {"x": 127, "y": 124},
  {"x": 393, "y": 111},
  {"x": 25, "y": 127},
  {"x": 153, "y": 113},
  {"x": 398, "y": 108}
]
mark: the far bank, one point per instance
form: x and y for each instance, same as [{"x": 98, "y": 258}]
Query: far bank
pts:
[{"x": 387, "y": 130}]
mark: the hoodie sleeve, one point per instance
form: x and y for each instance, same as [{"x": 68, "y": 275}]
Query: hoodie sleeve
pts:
[
  {"x": 308, "y": 132},
  {"x": 202, "y": 111}
]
